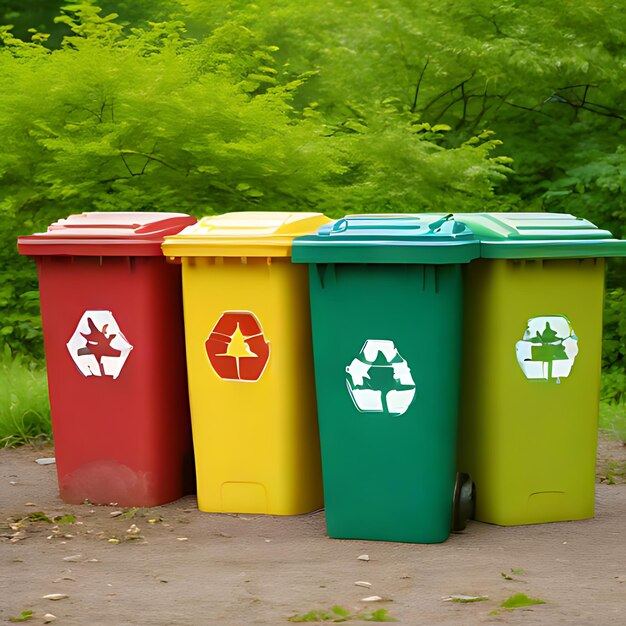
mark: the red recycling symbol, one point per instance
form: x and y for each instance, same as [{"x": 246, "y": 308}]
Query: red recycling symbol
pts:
[{"x": 236, "y": 347}]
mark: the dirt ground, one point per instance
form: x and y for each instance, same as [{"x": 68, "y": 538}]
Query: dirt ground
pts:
[{"x": 178, "y": 566}]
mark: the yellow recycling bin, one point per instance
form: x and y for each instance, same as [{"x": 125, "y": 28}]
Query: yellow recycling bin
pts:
[{"x": 250, "y": 363}]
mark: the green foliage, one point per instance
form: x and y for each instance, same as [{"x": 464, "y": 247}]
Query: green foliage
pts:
[
  {"x": 613, "y": 389},
  {"x": 339, "y": 614},
  {"x": 24, "y": 616},
  {"x": 317, "y": 616},
  {"x": 553, "y": 95},
  {"x": 20, "y": 322},
  {"x": 147, "y": 117},
  {"x": 24, "y": 412},
  {"x": 40, "y": 516},
  {"x": 379, "y": 615},
  {"x": 130, "y": 124},
  {"x": 384, "y": 105},
  {"x": 29, "y": 16},
  {"x": 520, "y": 600},
  {"x": 613, "y": 418},
  {"x": 130, "y": 514},
  {"x": 135, "y": 117},
  {"x": 614, "y": 347},
  {"x": 615, "y": 326}
]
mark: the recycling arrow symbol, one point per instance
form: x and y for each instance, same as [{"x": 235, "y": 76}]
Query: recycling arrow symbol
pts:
[
  {"x": 379, "y": 380},
  {"x": 98, "y": 346},
  {"x": 548, "y": 348},
  {"x": 237, "y": 348}
]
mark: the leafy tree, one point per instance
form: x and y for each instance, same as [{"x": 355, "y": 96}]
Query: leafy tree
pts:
[
  {"x": 547, "y": 78},
  {"x": 150, "y": 118},
  {"x": 27, "y": 16},
  {"x": 201, "y": 106},
  {"x": 131, "y": 119}
]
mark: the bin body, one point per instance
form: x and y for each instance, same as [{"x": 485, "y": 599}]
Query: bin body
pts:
[
  {"x": 251, "y": 386},
  {"x": 114, "y": 344},
  {"x": 387, "y": 319},
  {"x": 532, "y": 364}
]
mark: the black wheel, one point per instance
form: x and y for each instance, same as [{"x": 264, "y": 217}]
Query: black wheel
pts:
[{"x": 464, "y": 500}]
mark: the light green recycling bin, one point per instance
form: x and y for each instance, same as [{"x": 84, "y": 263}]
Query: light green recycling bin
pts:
[{"x": 531, "y": 366}]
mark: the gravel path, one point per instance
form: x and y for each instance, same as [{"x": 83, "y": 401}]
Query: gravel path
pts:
[{"x": 173, "y": 565}]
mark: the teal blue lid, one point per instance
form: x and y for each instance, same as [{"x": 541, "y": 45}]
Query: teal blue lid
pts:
[
  {"x": 540, "y": 236},
  {"x": 430, "y": 238}
]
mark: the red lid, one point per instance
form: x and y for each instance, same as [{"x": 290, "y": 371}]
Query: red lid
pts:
[{"x": 106, "y": 234}]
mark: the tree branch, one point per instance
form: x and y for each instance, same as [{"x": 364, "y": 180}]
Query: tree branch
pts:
[
  {"x": 493, "y": 22},
  {"x": 612, "y": 114},
  {"x": 112, "y": 180},
  {"x": 449, "y": 91},
  {"x": 464, "y": 115},
  {"x": 586, "y": 105},
  {"x": 127, "y": 166},
  {"x": 483, "y": 110},
  {"x": 147, "y": 156},
  {"x": 417, "y": 87},
  {"x": 519, "y": 106},
  {"x": 576, "y": 86}
]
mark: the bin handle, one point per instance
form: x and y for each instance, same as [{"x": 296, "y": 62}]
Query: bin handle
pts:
[
  {"x": 340, "y": 225},
  {"x": 452, "y": 226},
  {"x": 439, "y": 223}
]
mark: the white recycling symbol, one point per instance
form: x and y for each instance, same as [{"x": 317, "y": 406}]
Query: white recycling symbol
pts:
[
  {"x": 98, "y": 346},
  {"x": 379, "y": 380},
  {"x": 548, "y": 348}
]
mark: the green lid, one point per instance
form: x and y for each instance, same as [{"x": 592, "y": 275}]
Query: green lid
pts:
[
  {"x": 431, "y": 238},
  {"x": 540, "y": 236}
]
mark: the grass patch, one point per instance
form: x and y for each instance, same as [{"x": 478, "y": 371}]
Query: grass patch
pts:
[
  {"x": 24, "y": 408},
  {"x": 613, "y": 419}
]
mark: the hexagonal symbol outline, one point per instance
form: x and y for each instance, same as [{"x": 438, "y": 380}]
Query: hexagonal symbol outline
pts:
[
  {"x": 97, "y": 346},
  {"x": 396, "y": 400},
  {"x": 548, "y": 349},
  {"x": 244, "y": 328}
]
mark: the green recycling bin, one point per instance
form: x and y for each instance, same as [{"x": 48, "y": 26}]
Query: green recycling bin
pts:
[
  {"x": 386, "y": 308},
  {"x": 531, "y": 377}
]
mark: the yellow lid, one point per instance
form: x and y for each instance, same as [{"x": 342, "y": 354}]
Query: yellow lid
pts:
[{"x": 244, "y": 234}]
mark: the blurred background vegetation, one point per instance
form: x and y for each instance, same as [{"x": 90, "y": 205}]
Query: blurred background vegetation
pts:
[{"x": 340, "y": 106}]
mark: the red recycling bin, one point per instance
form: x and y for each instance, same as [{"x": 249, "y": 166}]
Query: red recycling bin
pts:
[{"x": 114, "y": 344}]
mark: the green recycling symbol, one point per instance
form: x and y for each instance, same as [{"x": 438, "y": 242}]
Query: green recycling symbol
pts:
[{"x": 379, "y": 379}]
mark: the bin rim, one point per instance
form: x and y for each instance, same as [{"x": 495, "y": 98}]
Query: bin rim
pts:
[
  {"x": 398, "y": 238},
  {"x": 243, "y": 234},
  {"x": 534, "y": 235},
  {"x": 601, "y": 248},
  {"x": 110, "y": 233}
]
